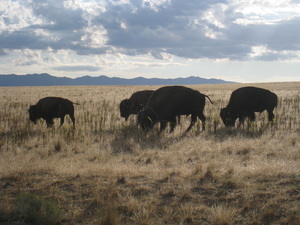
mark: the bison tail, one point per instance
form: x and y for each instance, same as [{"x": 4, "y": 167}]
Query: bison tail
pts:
[{"x": 209, "y": 99}]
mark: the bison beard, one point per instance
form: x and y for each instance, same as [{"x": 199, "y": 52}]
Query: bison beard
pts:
[{"x": 168, "y": 102}]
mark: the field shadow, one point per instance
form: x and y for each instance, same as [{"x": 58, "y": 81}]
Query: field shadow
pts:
[
  {"x": 224, "y": 133},
  {"x": 129, "y": 138}
]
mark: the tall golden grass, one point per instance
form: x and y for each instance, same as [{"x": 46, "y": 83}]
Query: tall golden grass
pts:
[{"x": 107, "y": 171}]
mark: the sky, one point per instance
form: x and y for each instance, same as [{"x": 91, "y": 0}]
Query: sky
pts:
[{"x": 245, "y": 41}]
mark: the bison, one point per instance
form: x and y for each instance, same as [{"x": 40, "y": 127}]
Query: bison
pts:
[
  {"x": 170, "y": 101},
  {"x": 135, "y": 103},
  {"x": 245, "y": 101},
  {"x": 52, "y": 107}
]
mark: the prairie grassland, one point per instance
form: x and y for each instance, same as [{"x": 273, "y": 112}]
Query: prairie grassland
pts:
[{"x": 107, "y": 171}]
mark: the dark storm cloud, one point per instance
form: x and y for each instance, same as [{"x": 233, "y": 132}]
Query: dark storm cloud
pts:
[
  {"x": 167, "y": 26},
  {"x": 57, "y": 16},
  {"x": 21, "y": 39},
  {"x": 171, "y": 29},
  {"x": 283, "y": 35},
  {"x": 286, "y": 36},
  {"x": 278, "y": 38},
  {"x": 177, "y": 27}
]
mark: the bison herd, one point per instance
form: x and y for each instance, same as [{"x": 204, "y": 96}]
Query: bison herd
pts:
[{"x": 166, "y": 105}]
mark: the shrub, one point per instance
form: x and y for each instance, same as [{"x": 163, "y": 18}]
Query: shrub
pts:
[{"x": 36, "y": 210}]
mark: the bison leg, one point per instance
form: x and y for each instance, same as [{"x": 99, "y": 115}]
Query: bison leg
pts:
[
  {"x": 62, "y": 120},
  {"x": 193, "y": 121},
  {"x": 251, "y": 116},
  {"x": 203, "y": 119},
  {"x": 241, "y": 119},
  {"x": 73, "y": 119},
  {"x": 271, "y": 115},
  {"x": 163, "y": 126},
  {"x": 49, "y": 122},
  {"x": 173, "y": 124},
  {"x": 178, "y": 120}
]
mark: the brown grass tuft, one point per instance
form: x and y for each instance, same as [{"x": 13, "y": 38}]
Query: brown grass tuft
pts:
[{"x": 222, "y": 215}]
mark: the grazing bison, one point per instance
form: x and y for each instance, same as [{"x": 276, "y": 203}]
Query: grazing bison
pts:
[
  {"x": 245, "y": 101},
  {"x": 52, "y": 107},
  {"x": 135, "y": 103},
  {"x": 168, "y": 102}
]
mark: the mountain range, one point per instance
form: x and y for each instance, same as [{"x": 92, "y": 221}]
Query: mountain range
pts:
[{"x": 45, "y": 79}]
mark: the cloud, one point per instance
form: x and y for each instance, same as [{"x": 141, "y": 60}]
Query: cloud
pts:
[
  {"x": 213, "y": 29},
  {"x": 57, "y": 16},
  {"x": 77, "y": 68}
]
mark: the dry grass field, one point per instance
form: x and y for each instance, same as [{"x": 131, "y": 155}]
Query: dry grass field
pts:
[{"x": 107, "y": 171}]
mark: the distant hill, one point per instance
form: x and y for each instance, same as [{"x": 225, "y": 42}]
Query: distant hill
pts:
[{"x": 45, "y": 79}]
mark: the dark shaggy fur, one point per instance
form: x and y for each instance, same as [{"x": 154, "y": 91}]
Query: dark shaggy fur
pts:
[
  {"x": 245, "y": 101},
  {"x": 52, "y": 107},
  {"x": 168, "y": 102},
  {"x": 135, "y": 103}
]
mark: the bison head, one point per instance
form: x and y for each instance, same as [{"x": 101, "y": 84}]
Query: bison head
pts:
[
  {"x": 33, "y": 114},
  {"x": 145, "y": 120},
  {"x": 125, "y": 108},
  {"x": 228, "y": 117}
]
